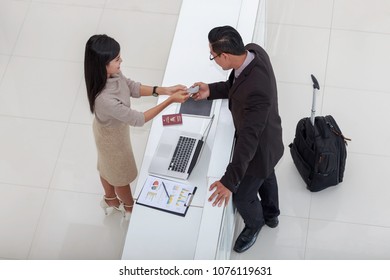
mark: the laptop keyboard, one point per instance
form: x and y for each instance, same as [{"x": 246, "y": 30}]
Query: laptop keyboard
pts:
[{"x": 182, "y": 154}]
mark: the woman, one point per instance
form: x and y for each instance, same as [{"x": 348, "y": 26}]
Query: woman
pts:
[{"x": 109, "y": 95}]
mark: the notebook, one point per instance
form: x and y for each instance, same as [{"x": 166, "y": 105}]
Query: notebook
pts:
[
  {"x": 177, "y": 152},
  {"x": 201, "y": 108}
]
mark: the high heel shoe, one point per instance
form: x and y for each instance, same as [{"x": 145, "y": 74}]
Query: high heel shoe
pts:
[
  {"x": 105, "y": 206},
  {"x": 130, "y": 208},
  {"x": 124, "y": 208}
]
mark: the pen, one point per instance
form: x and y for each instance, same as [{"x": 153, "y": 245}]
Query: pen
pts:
[{"x": 165, "y": 188}]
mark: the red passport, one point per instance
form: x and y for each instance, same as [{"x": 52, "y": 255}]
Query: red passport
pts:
[{"x": 172, "y": 119}]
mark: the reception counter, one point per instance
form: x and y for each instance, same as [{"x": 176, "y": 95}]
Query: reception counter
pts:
[{"x": 206, "y": 232}]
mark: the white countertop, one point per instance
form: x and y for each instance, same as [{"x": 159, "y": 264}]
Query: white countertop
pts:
[{"x": 154, "y": 234}]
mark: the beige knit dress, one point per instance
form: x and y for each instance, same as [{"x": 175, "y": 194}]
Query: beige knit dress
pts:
[{"x": 113, "y": 116}]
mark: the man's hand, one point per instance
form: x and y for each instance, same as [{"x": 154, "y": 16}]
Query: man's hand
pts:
[
  {"x": 220, "y": 195},
  {"x": 203, "y": 92}
]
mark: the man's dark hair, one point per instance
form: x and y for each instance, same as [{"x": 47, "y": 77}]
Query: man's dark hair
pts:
[{"x": 226, "y": 39}]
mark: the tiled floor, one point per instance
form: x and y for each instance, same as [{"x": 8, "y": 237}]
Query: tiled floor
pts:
[
  {"x": 48, "y": 181},
  {"x": 48, "y": 178}
]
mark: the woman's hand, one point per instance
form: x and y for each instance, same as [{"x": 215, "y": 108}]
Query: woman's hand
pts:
[
  {"x": 174, "y": 89},
  {"x": 180, "y": 96}
]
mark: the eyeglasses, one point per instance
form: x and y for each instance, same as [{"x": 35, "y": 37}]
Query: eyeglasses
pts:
[{"x": 211, "y": 57}]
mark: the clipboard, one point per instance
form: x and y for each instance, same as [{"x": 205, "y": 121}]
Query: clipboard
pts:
[{"x": 166, "y": 195}]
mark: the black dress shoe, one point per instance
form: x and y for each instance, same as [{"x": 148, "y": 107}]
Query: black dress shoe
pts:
[
  {"x": 246, "y": 239},
  {"x": 273, "y": 222}
]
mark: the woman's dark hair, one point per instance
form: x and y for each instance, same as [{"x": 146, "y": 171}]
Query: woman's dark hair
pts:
[
  {"x": 99, "y": 51},
  {"x": 225, "y": 39}
]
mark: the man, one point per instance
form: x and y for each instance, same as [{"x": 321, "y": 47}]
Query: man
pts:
[{"x": 251, "y": 90}]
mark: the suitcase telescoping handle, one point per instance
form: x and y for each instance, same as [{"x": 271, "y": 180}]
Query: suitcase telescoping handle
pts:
[{"x": 316, "y": 87}]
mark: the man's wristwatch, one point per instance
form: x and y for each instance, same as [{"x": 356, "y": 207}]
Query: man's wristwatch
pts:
[{"x": 154, "y": 93}]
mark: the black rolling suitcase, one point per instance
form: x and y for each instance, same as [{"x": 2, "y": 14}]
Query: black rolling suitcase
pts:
[{"x": 319, "y": 149}]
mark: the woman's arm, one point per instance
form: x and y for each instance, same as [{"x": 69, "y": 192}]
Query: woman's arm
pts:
[
  {"x": 148, "y": 90},
  {"x": 179, "y": 96}
]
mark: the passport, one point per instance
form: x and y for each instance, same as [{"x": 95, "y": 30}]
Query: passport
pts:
[{"x": 172, "y": 119}]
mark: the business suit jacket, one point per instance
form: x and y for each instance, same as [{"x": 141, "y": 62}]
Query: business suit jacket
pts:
[{"x": 253, "y": 103}]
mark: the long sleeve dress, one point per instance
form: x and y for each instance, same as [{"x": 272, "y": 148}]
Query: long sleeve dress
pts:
[{"x": 111, "y": 128}]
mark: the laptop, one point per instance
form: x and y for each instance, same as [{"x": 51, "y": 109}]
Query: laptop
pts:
[{"x": 178, "y": 152}]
